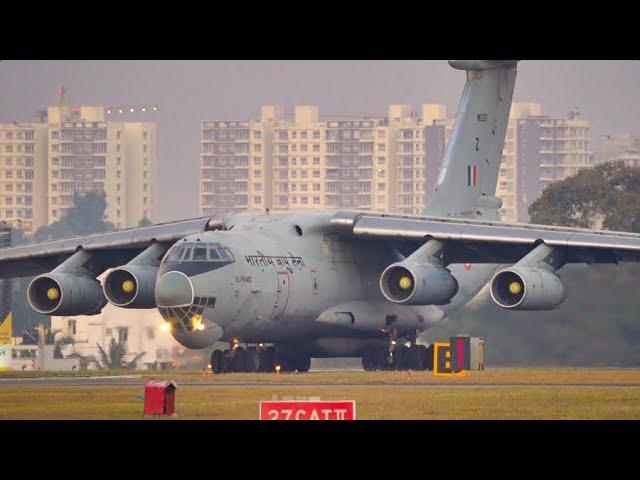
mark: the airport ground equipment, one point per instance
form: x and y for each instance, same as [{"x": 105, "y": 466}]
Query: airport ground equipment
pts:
[
  {"x": 467, "y": 353},
  {"x": 160, "y": 398}
]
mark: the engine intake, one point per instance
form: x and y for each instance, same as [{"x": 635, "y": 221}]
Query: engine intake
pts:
[
  {"x": 527, "y": 288},
  {"x": 66, "y": 294},
  {"x": 411, "y": 284},
  {"x": 131, "y": 286}
]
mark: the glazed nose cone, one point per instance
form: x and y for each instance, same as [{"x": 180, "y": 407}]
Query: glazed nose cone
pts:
[{"x": 174, "y": 289}]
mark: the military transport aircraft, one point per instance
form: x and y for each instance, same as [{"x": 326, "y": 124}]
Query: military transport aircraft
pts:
[{"x": 287, "y": 287}]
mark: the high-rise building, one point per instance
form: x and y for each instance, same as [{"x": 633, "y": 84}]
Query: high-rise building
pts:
[
  {"x": 23, "y": 175},
  {"x": 236, "y": 163},
  {"x": 308, "y": 163},
  {"x": 87, "y": 153},
  {"x": 539, "y": 150}
]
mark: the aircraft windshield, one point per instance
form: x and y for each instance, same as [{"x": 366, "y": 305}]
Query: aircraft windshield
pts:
[{"x": 200, "y": 252}]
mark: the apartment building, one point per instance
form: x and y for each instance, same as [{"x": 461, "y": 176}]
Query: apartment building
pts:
[
  {"x": 87, "y": 153},
  {"x": 23, "y": 175},
  {"x": 539, "y": 150},
  {"x": 305, "y": 163},
  {"x": 236, "y": 163}
]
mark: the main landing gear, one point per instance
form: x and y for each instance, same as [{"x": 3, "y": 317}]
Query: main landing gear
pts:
[
  {"x": 255, "y": 359},
  {"x": 396, "y": 356},
  {"x": 401, "y": 358}
]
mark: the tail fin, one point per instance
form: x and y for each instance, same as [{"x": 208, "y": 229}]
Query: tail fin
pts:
[{"x": 467, "y": 182}]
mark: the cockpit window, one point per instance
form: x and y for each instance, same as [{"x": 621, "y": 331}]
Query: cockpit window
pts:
[
  {"x": 175, "y": 253},
  {"x": 200, "y": 252}
]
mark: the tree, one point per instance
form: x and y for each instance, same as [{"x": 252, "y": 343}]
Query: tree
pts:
[
  {"x": 86, "y": 216},
  {"x": 145, "y": 222},
  {"x": 60, "y": 341},
  {"x": 115, "y": 357},
  {"x": 597, "y": 324},
  {"x": 606, "y": 196}
]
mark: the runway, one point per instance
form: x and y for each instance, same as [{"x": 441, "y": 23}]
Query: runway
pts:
[
  {"x": 140, "y": 381},
  {"x": 495, "y": 393}
]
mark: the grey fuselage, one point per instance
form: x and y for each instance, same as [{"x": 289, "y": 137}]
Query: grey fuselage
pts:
[{"x": 292, "y": 282}]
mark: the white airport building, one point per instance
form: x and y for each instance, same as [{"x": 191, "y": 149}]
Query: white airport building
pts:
[{"x": 142, "y": 330}]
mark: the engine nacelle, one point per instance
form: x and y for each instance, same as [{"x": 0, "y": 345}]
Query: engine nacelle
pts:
[
  {"x": 66, "y": 294},
  {"x": 527, "y": 288},
  {"x": 413, "y": 284},
  {"x": 131, "y": 286}
]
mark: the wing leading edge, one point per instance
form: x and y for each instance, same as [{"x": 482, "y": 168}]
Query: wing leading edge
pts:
[
  {"x": 115, "y": 248},
  {"x": 492, "y": 242}
]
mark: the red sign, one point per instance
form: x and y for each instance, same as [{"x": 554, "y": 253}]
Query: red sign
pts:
[{"x": 308, "y": 410}]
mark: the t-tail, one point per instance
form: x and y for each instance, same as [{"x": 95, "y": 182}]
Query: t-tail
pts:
[{"x": 467, "y": 181}]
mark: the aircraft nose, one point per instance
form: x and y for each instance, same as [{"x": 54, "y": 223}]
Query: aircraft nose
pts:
[{"x": 174, "y": 289}]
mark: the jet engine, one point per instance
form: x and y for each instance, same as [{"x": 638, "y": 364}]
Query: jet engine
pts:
[
  {"x": 131, "y": 286},
  {"x": 527, "y": 288},
  {"x": 66, "y": 294},
  {"x": 413, "y": 284}
]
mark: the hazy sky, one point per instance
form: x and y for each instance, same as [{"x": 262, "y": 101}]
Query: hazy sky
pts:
[{"x": 188, "y": 92}]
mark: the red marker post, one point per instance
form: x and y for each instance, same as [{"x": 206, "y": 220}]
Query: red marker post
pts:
[{"x": 308, "y": 410}]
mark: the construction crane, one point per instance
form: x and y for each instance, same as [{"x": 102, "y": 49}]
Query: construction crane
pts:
[{"x": 62, "y": 94}]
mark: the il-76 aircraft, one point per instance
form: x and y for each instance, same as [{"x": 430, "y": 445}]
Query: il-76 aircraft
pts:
[{"x": 283, "y": 288}]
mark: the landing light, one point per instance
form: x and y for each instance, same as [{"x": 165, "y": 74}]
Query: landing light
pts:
[
  {"x": 166, "y": 327},
  {"x": 197, "y": 323}
]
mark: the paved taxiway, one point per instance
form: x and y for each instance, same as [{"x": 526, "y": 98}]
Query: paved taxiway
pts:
[{"x": 138, "y": 380}]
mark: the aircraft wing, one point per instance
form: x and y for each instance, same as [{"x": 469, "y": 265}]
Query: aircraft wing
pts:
[
  {"x": 473, "y": 241},
  {"x": 113, "y": 248}
]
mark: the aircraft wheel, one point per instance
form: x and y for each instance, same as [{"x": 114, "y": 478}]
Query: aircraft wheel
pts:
[
  {"x": 418, "y": 357},
  {"x": 404, "y": 365},
  {"x": 381, "y": 356},
  {"x": 400, "y": 358},
  {"x": 253, "y": 360},
  {"x": 239, "y": 360},
  {"x": 368, "y": 360},
  {"x": 227, "y": 365},
  {"x": 267, "y": 359},
  {"x": 286, "y": 363},
  {"x": 217, "y": 361},
  {"x": 303, "y": 363},
  {"x": 423, "y": 353}
]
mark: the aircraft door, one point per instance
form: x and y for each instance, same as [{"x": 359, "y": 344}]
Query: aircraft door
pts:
[{"x": 282, "y": 295}]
